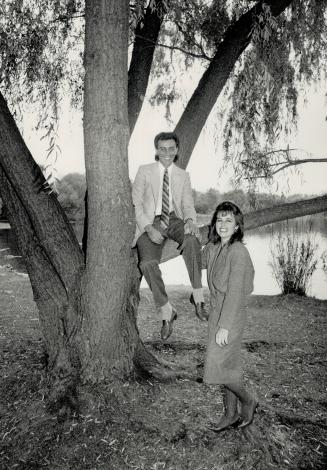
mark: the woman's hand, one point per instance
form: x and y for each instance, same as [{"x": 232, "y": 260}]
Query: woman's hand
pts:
[{"x": 222, "y": 337}]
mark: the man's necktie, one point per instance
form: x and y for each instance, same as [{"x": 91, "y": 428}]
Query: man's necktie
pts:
[{"x": 164, "y": 218}]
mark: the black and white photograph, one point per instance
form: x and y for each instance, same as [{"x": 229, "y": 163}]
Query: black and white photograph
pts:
[{"x": 163, "y": 234}]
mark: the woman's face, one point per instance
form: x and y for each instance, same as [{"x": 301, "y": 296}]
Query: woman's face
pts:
[{"x": 226, "y": 226}]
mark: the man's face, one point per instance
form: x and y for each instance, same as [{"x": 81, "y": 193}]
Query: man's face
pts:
[{"x": 167, "y": 151}]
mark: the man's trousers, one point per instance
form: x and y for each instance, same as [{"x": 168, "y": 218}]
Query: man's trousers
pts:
[{"x": 150, "y": 254}]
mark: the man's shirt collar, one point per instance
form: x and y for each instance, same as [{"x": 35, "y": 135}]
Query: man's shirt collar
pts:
[{"x": 162, "y": 168}]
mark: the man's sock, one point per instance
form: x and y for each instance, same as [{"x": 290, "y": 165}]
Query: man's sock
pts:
[
  {"x": 166, "y": 311},
  {"x": 198, "y": 295}
]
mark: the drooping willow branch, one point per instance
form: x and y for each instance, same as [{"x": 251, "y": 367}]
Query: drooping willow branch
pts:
[{"x": 281, "y": 159}]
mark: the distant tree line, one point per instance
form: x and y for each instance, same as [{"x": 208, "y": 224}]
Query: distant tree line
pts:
[
  {"x": 71, "y": 191},
  {"x": 206, "y": 202}
]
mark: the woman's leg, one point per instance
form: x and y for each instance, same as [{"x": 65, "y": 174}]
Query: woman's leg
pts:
[
  {"x": 231, "y": 415},
  {"x": 248, "y": 403}
]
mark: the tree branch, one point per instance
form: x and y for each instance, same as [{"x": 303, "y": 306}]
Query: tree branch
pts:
[
  {"x": 195, "y": 43},
  {"x": 287, "y": 211},
  {"x": 237, "y": 38},
  {"x": 177, "y": 48},
  {"x": 146, "y": 35},
  {"x": 299, "y": 162},
  {"x": 69, "y": 17},
  {"x": 259, "y": 218}
]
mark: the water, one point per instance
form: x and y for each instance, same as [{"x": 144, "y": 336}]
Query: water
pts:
[{"x": 258, "y": 242}]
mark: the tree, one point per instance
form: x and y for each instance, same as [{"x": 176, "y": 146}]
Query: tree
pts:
[
  {"x": 87, "y": 301},
  {"x": 205, "y": 203},
  {"x": 71, "y": 191}
]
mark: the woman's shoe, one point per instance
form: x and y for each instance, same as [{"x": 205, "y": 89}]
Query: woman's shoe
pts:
[
  {"x": 247, "y": 413},
  {"x": 225, "y": 423}
]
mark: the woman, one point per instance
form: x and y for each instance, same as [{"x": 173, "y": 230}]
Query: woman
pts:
[{"x": 230, "y": 278}]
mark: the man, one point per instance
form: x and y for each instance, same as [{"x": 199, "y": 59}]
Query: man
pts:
[{"x": 164, "y": 208}]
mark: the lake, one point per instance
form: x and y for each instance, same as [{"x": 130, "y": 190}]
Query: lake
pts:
[{"x": 259, "y": 243}]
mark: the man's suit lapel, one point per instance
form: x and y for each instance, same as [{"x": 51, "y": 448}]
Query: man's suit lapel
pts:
[
  {"x": 176, "y": 182},
  {"x": 155, "y": 181}
]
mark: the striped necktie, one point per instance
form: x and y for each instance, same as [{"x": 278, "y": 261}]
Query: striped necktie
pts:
[{"x": 164, "y": 218}]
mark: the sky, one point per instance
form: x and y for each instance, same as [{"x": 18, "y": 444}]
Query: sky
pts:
[{"x": 206, "y": 160}]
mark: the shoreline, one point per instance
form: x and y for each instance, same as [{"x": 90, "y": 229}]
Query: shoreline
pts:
[{"x": 7, "y": 270}]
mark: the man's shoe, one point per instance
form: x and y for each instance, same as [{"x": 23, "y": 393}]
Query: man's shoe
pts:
[
  {"x": 225, "y": 423},
  {"x": 247, "y": 413},
  {"x": 167, "y": 326},
  {"x": 200, "y": 311}
]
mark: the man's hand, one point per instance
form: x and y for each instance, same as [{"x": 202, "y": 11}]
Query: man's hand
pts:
[
  {"x": 154, "y": 234},
  {"x": 191, "y": 228},
  {"x": 222, "y": 337}
]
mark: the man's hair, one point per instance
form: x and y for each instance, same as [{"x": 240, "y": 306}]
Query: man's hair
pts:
[
  {"x": 166, "y": 136},
  {"x": 227, "y": 206}
]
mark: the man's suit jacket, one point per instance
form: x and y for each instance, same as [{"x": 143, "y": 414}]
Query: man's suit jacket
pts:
[{"x": 146, "y": 191}]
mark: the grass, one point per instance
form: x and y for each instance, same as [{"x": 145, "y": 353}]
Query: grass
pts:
[
  {"x": 294, "y": 258},
  {"x": 152, "y": 425}
]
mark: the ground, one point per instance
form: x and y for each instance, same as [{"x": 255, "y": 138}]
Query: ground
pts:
[{"x": 155, "y": 425}]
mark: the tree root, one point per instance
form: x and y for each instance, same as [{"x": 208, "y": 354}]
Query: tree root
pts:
[
  {"x": 292, "y": 420},
  {"x": 62, "y": 396},
  {"x": 296, "y": 420},
  {"x": 147, "y": 365},
  {"x": 176, "y": 346}
]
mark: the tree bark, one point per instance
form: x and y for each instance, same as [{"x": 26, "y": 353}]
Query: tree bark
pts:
[
  {"x": 291, "y": 210},
  {"x": 237, "y": 38},
  {"x": 49, "y": 222},
  {"x": 51, "y": 252},
  {"x": 146, "y": 35},
  {"x": 109, "y": 334},
  {"x": 49, "y": 292}
]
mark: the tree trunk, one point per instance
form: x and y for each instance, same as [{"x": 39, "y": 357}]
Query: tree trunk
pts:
[
  {"x": 49, "y": 222},
  {"x": 109, "y": 333},
  {"x": 45, "y": 237},
  {"x": 88, "y": 318},
  {"x": 146, "y": 35},
  {"x": 43, "y": 233},
  {"x": 237, "y": 38},
  {"x": 51, "y": 252}
]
